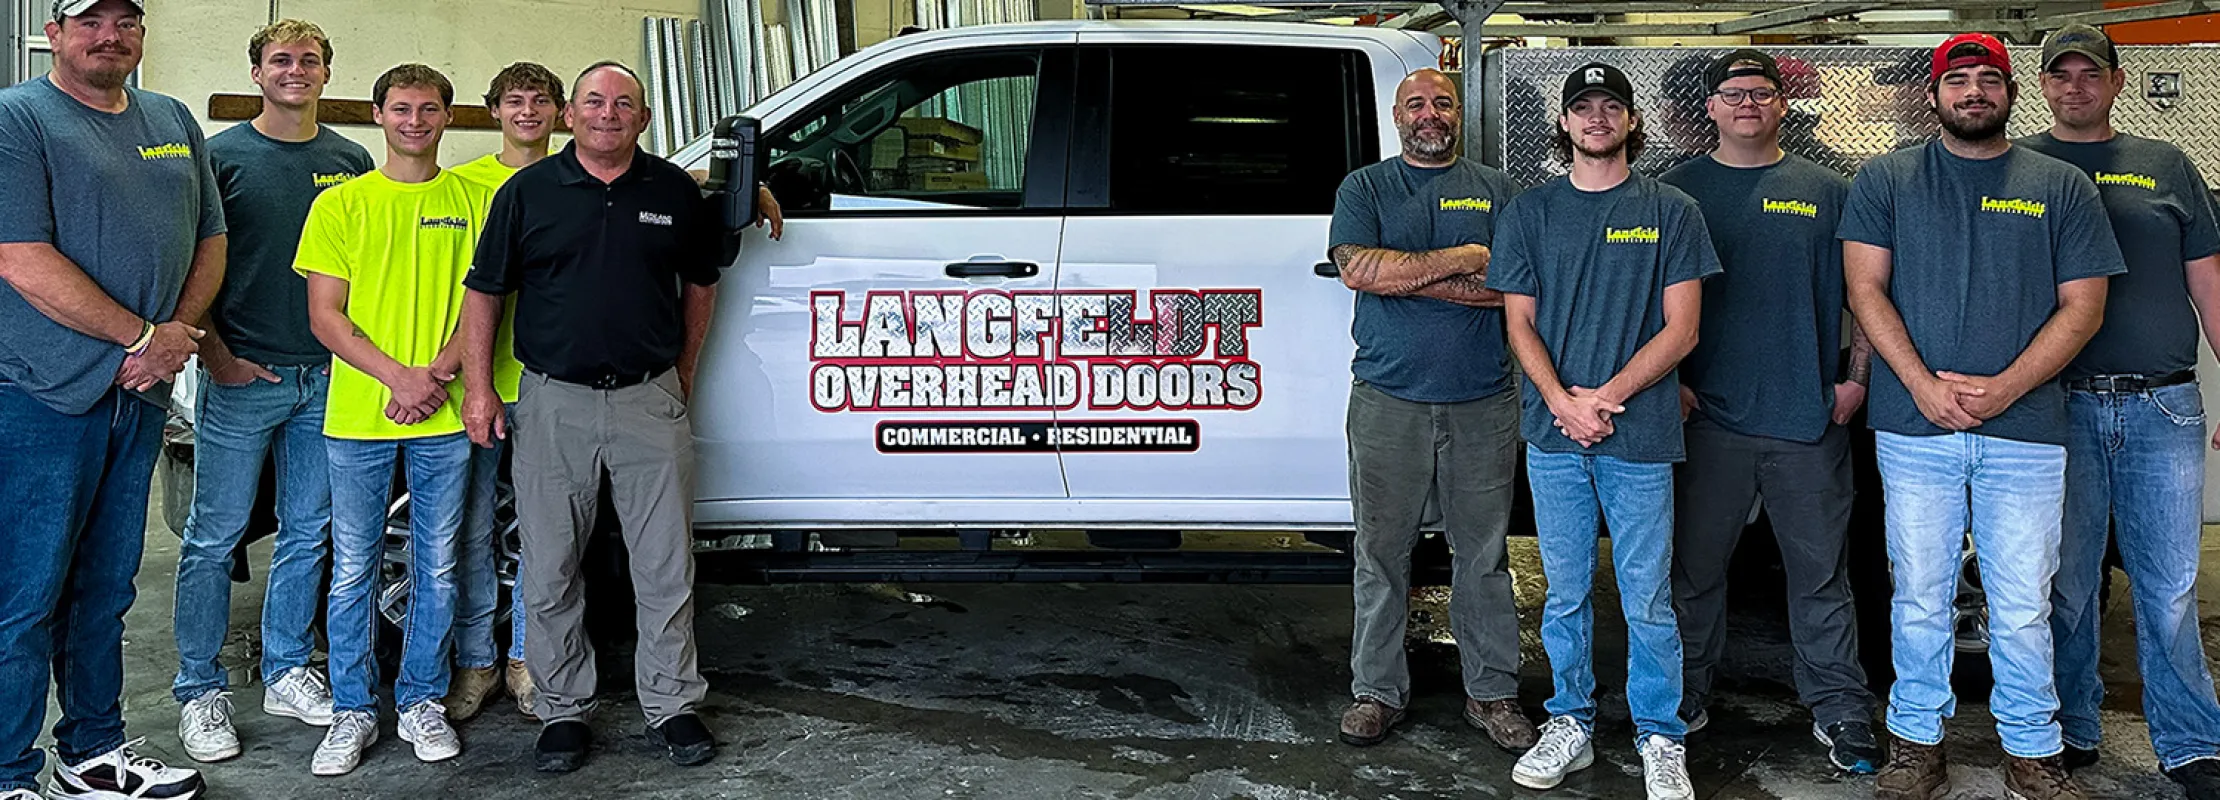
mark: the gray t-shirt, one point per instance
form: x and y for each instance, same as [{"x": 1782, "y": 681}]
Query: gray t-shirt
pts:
[
  {"x": 1597, "y": 264},
  {"x": 126, "y": 197},
  {"x": 1769, "y": 351},
  {"x": 2162, "y": 214},
  {"x": 1418, "y": 348},
  {"x": 267, "y": 186},
  {"x": 1979, "y": 248}
]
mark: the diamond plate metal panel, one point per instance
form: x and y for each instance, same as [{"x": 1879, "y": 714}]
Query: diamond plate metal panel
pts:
[{"x": 1847, "y": 104}]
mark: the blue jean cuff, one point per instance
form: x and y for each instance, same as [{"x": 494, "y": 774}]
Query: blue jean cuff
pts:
[
  {"x": 2166, "y": 766},
  {"x": 1899, "y": 734},
  {"x": 2056, "y": 751}
]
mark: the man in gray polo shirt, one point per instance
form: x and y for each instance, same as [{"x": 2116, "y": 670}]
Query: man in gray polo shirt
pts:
[
  {"x": 2135, "y": 449},
  {"x": 1431, "y": 413},
  {"x": 99, "y": 288}
]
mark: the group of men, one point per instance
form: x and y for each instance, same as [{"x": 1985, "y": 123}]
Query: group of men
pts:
[
  {"x": 351, "y": 318},
  {"x": 2035, "y": 305}
]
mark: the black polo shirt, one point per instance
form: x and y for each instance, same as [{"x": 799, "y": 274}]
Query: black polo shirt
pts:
[{"x": 598, "y": 269}]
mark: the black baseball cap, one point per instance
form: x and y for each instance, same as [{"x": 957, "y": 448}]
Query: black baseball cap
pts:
[
  {"x": 1743, "y": 63},
  {"x": 2081, "y": 39},
  {"x": 1601, "y": 78}
]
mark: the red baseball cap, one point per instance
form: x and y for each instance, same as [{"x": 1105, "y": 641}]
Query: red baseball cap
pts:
[{"x": 1969, "y": 50}]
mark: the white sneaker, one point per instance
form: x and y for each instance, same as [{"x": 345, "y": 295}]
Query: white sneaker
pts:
[
  {"x": 351, "y": 733},
  {"x": 204, "y": 725},
  {"x": 300, "y": 693},
  {"x": 1665, "y": 769},
  {"x": 20, "y": 794},
  {"x": 425, "y": 726},
  {"x": 122, "y": 774},
  {"x": 1562, "y": 750}
]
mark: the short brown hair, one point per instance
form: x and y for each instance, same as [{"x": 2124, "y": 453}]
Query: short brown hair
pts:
[
  {"x": 416, "y": 76},
  {"x": 287, "y": 31},
  {"x": 1637, "y": 137},
  {"x": 522, "y": 76}
]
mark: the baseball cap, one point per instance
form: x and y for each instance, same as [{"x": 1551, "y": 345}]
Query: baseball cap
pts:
[
  {"x": 1968, "y": 50},
  {"x": 1743, "y": 63},
  {"x": 1596, "y": 76},
  {"x": 2081, "y": 39},
  {"x": 64, "y": 9}
]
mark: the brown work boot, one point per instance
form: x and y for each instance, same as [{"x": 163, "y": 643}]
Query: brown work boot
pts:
[
  {"x": 2039, "y": 779},
  {"x": 1915, "y": 772},
  {"x": 468, "y": 692},
  {"x": 1368, "y": 721},
  {"x": 1503, "y": 721},
  {"x": 521, "y": 687}
]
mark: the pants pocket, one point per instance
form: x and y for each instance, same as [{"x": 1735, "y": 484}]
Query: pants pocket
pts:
[{"x": 2182, "y": 404}]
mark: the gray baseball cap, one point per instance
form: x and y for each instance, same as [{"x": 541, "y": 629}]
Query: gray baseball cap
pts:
[
  {"x": 64, "y": 9},
  {"x": 2081, "y": 39}
]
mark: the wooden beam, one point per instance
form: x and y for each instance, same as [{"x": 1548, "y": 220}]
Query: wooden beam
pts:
[{"x": 330, "y": 111}]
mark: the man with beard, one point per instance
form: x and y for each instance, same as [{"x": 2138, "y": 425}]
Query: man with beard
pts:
[
  {"x": 2135, "y": 449},
  {"x": 1766, "y": 406},
  {"x": 1601, "y": 273},
  {"x": 1430, "y": 414},
  {"x": 1978, "y": 269},
  {"x": 111, "y": 247}
]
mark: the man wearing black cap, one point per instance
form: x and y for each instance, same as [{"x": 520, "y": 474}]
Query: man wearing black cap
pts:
[
  {"x": 111, "y": 247},
  {"x": 1601, "y": 275},
  {"x": 1766, "y": 400},
  {"x": 2135, "y": 451},
  {"x": 1978, "y": 270}
]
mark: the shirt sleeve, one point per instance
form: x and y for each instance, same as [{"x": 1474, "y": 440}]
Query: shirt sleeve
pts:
[
  {"x": 1510, "y": 265},
  {"x": 1356, "y": 216},
  {"x": 1869, "y": 214},
  {"x": 706, "y": 236},
  {"x": 325, "y": 248},
  {"x": 26, "y": 197},
  {"x": 2200, "y": 237},
  {"x": 2082, "y": 244},
  {"x": 1691, "y": 256},
  {"x": 498, "y": 266}
]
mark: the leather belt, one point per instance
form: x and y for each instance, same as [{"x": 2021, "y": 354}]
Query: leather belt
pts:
[
  {"x": 2130, "y": 384},
  {"x": 610, "y": 381}
]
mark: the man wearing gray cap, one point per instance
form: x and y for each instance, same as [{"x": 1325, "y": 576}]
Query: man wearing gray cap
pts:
[
  {"x": 2135, "y": 445},
  {"x": 98, "y": 288}
]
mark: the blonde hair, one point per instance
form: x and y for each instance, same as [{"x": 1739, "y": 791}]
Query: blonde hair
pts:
[{"x": 287, "y": 31}]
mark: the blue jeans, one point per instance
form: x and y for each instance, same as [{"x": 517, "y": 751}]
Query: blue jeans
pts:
[
  {"x": 479, "y": 591},
  {"x": 236, "y": 429},
  {"x": 2136, "y": 461},
  {"x": 75, "y": 491},
  {"x": 1573, "y": 493},
  {"x": 435, "y": 468},
  {"x": 2013, "y": 493}
]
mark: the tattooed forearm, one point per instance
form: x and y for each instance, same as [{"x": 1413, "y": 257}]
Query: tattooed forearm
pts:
[
  {"x": 1393, "y": 272},
  {"x": 1468, "y": 290},
  {"x": 1861, "y": 355}
]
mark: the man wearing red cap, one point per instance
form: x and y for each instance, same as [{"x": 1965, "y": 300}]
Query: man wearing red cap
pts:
[{"x": 1978, "y": 270}]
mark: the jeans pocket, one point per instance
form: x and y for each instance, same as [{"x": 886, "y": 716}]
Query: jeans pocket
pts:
[{"x": 2183, "y": 404}]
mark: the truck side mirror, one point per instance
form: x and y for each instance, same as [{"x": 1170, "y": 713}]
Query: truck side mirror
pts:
[{"x": 733, "y": 171}]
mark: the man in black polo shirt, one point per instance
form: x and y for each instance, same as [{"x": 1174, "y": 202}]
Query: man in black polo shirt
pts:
[{"x": 613, "y": 255}]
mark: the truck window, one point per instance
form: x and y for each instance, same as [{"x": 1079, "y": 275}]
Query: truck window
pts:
[
  {"x": 1230, "y": 129},
  {"x": 946, "y": 133}
]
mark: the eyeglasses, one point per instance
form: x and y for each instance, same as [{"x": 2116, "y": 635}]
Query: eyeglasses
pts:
[{"x": 1734, "y": 97}]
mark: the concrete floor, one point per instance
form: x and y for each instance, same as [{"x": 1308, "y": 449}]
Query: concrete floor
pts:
[{"x": 1066, "y": 691}]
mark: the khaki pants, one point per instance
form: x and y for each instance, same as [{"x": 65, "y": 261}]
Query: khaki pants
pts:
[{"x": 567, "y": 437}]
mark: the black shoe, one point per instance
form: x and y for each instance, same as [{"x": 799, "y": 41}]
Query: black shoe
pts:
[
  {"x": 562, "y": 746},
  {"x": 687, "y": 740},
  {"x": 1851, "y": 746},
  {"x": 2077, "y": 758},
  {"x": 2199, "y": 779}
]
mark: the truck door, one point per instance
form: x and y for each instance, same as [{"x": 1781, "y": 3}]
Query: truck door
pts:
[
  {"x": 1217, "y": 361},
  {"x": 876, "y": 358}
]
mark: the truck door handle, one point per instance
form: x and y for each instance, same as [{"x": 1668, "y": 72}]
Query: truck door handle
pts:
[
  {"x": 1327, "y": 269},
  {"x": 993, "y": 269}
]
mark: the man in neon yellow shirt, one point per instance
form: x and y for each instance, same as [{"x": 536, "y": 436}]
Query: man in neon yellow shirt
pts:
[
  {"x": 384, "y": 255},
  {"x": 526, "y": 99}
]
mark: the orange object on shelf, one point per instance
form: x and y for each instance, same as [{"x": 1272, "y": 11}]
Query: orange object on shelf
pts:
[{"x": 2199, "y": 29}]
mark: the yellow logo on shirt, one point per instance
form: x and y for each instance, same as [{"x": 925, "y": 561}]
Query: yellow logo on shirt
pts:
[
  {"x": 2127, "y": 179},
  {"x": 162, "y": 151},
  {"x": 1630, "y": 235},
  {"x": 1467, "y": 204},
  {"x": 2014, "y": 205},
  {"x": 324, "y": 181},
  {"x": 1795, "y": 207}
]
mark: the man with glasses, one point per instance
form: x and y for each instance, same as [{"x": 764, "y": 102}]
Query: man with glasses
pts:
[{"x": 1766, "y": 399}]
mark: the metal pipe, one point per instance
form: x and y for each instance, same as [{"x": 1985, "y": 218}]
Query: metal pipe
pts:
[
  {"x": 698, "y": 73},
  {"x": 651, "y": 55},
  {"x": 759, "y": 53}
]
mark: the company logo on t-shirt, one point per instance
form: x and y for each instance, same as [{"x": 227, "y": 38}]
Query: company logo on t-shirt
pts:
[
  {"x": 1643, "y": 235},
  {"x": 445, "y": 223},
  {"x": 2013, "y": 205},
  {"x": 1467, "y": 204},
  {"x": 326, "y": 181},
  {"x": 652, "y": 218},
  {"x": 161, "y": 151},
  {"x": 1794, "y": 207},
  {"x": 2127, "y": 179}
]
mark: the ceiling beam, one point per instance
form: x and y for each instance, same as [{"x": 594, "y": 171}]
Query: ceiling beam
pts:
[
  {"x": 2113, "y": 16},
  {"x": 1792, "y": 14}
]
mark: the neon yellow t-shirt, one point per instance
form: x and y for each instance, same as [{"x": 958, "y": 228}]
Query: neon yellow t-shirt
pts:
[
  {"x": 403, "y": 249},
  {"x": 507, "y": 371}
]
